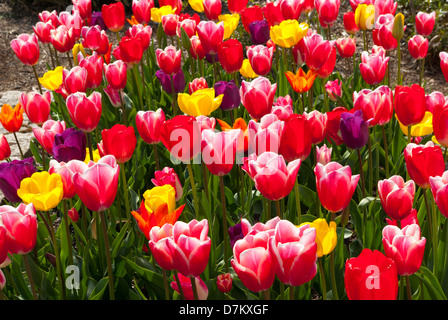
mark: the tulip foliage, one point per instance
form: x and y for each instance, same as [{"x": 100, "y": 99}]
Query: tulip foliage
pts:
[{"x": 216, "y": 150}]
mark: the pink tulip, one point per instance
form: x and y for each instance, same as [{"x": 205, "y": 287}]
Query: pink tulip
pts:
[
  {"x": 273, "y": 178},
  {"x": 334, "y": 176},
  {"x": 197, "y": 84},
  {"x": 323, "y": 154},
  {"x": 383, "y": 26},
  {"x": 47, "y": 16},
  {"x": 189, "y": 26},
  {"x": 307, "y": 6},
  {"x": 327, "y": 11},
  {"x": 385, "y": 7},
  {"x": 327, "y": 69},
  {"x": 3, "y": 252},
  {"x": 440, "y": 123},
  {"x": 434, "y": 100},
  {"x": 168, "y": 176},
  {"x": 26, "y": 48},
  {"x": 84, "y": 8},
  {"x": 158, "y": 239},
  {"x": 5, "y": 149},
  {"x": 334, "y": 89},
  {"x": 84, "y": 111},
  {"x": 94, "y": 38},
  {"x": 266, "y": 134},
  {"x": 72, "y": 21},
  {"x": 43, "y": 31},
  {"x": 317, "y": 121},
  {"x": 187, "y": 287},
  {"x": 376, "y": 105},
  {"x": 212, "y": 9},
  {"x": 96, "y": 183},
  {"x": 36, "y": 106},
  {"x": 439, "y": 191},
  {"x": 282, "y": 107},
  {"x": 142, "y": 10},
  {"x": 169, "y": 24},
  {"x": 211, "y": 34},
  {"x": 418, "y": 47},
  {"x": 260, "y": 58},
  {"x": 268, "y": 227},
  {"x": 116, "y": 74},
  {"x": 116, "y": 98},
  {"x": 346, "y": 47},
  {"x": 405, "y": 246},
  {"x": 424, "y": 23},
  {"x": 75, "y": 79},
  {"x": 20, "y": 225},
  {"x": 148, "y": 125},
  {"x": 397, "y": 197},
  {"x": 317, "y": 51},
  {"x": 291, "y": 9},
  {"x": 373, "y": 67},
  {"x": 63, "y": 38},
  {"x": 190, "y": 247},
  {"x": 258, "y": 96},
  {"x": 410, "y": 219},
  {"x": 45, "y": 134},
  {"x": 253, "y": 261},
  {"x": 205, "y": 122},
  {"x": 93, "y": 64},
  {"x": 293, "y": 250},
  {"x": 65, "y": 171},
  {"x": 169, "y": 60},
  {"x": 444, "y": 64}
]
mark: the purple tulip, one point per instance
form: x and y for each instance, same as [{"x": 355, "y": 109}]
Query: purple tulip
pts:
[
  {"x": 259, "y": 32},
  {"x": 97, "y": 20},
  {"x": 165, "y": 81},
  {"x": 354, "y": 129},
  {"x": 70, "y": 145},
  {"x": 235, "y": 233},
  {"x": 209, "y": 57},
  {"x": 231, "y": 94},
  {"x": 12, "y": 173}
]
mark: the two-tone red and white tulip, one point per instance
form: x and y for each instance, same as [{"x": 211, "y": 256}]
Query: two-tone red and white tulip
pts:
[
  {"x": 116, "y": 74},
  {"x": 317, "y": 122},
  {"x": 62, "y": 38},
  {"x": 418, "y": 47},
  {"x": 36, "y": 106},
  {"x": 45, "y": 134},
  {"x": 397, "y": 196},
  {"x": 75, "y": 79},
  {"x": 93, "y": 64},
  {"x": 211, "y": 34},
  {"x": 142, "y": 10},
  {"x": 424, "y": 23},
  {"x": 169, "y": 60},
  {"x": 26, "y": 48},
  {"x": 148, "y": 125},
  {"x": 85, "y": 111},
  {"x": 346, "y": 47},
  {"x": 376, "y": 105},
  {"x": 265, "y": 135},
  {"x": 323, "y": 154},
  {"x": 43, "y": 31},
  {"x": 258, "y": 96},
  {"x": 373, "y": 67},
  {"x": 260, "y": 58}
]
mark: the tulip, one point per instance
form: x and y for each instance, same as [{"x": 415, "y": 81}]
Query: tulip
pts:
[
  {"x": 373, "y": 67},
  {"x": 201, "y": 102},
  {"x": 327, "y": 11},
  {"x": 148, "y": 125},
  {"x": 346, "y": 47},
  {"x": 440, "y": 124},
  {"x": 317, "y": 122},
  {"x": 410, "y": 219},
  {"x": 434, "y": 100},
  {"x": 97, "y": 20},
  {"x": 92, "y": 37},
  {"x": 291, "y": 9},
  {"x": 438, "y": 188},
  {"x": 242, "y": 144},
  {"x": 405, "y": 246},
  {"x": 230, "y": 53},
  {"x": 365, "y": 16},
  {"x": 354, "y": 130},
  {"x": 168, "y": 176},
  {"x": 47, "y": 16},
  {"x": 169, "y": 60},
  {"x": 260, "y": 58},
  {"x": 423, "y": 162},
  {"x": 43, "y": 189},
  {"x": 323, "y": 154},
  {"x": 273, "y": 178},
  {"x": 235, "y": 233},
  {"x": 265, "y": 135},
  {"x": 176, "y": 4},
  {"x": 158, "y": 239},
  {"x": 94, "y": 66},
  {"x": 317, "y": 51},
  {"x": 247, "y": 71},
  {"x": 273, "y": 13},
  {"x": 26, "y": 48},
  {"x": 73, "y": 215},
  {"x": 187, "y": 288},
  {"x": 421, "y": 129},
  {"x": 75, "y": 80},
  {"x": 142, "y": 10},
  {"x": 410, "y": 104},
  {"x": 295, "y": 142},
  {"x": 259, "y": 32},
  {"x": 328, "y": 67},
  {"x": 69, "y": 145},
  {"x": 326, "y": 237},
  {"x": 131, "y": 50},
  {"x": 197, "y": 51},
  {"x": 397, "y": 197},
  {"x": 268, "y": 227},
  {"x": 334, "y": 176},
  {"x": 249, "y": 15},
  {"x": 119, "y": 141},
  {"x": 418, "y": 47},
  {"x": 158, "y": 13},
  {"x": 188, "y": 25},
  {"x": 210, "y": 34},
  {"x": 169, "y": 24},
  {"x": 236, "y": 6},
  {"x": 72, "y": 20},
  {"x": 376, "y": 105},
  {"x": 5, "y": 150},
  {"x": 19, "y": 226},
  {"x": 288, "y": 33},
  {"x": 231, "y": 96},
  {"x": 444, "y": 64},
  {"x": 65, "y": 170},
  {"x": 116, "y": 74},
  {"x": 224, "y": 282},
  {"x": 350, "y": 23},
  {"x": 43, "y": 31},
  {"x": 62, "y": 38},
  {"x": 84, "y": 111},
  {"x": 114, "y": 16},
  {"x": 52, "y": 79},
  {"x": 212, "y": 9},
  {"x": 257, "y": 96},
  {"x": 282, "y": 107},
  {"x": 11, "y": 118},
  {"x": 116, "y": 98},
  {"x": 334, "y": 89},
  {"x": 142, "y": 32},
  {"x": 45, "y": 134},
  {"x": 371, "y": 276},
  {"x": 230, "y": 22},
  {"x": 11, "y": 174},
  {"x": 190, "y": 247},
  {"x": 3, "y": 254},
  {"x": 398, "y": 27},
  {"x": 384, "y": 27},
  {"x": 385, "y": 7},
  {"x": 333, "y": 125},
  {"x": 96, "y": 183},
  {"x": 424, "y": 23},
  {"x": 36, "y": 106}
]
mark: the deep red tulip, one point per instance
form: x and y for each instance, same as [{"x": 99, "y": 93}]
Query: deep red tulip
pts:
[
  {"x": 349, "y": 23},
  {"x": 272, "y": 13},
  {"x": 295, "y": 142},
  {"x": 230, "y": 53},
  {"x": 119, "y": 141},
  {"x": 131, "y": 50},
  {"x": 26, "y": 48},
  {"x": 410, "y": 104},
  {"x": 236, "y": 6},
  {"x": 397, "y": 197},
  {"x": 114, "y": 16}
]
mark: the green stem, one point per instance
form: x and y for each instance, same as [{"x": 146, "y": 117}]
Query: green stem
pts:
[
  {"x": 137, "y": 84},
  {"x": 310, "y": 100},
  {"x": 57, "y": 255},
  {"x": 195, "y": 289},
  {"x": 156, "y": 156},
  {"x": 277, "y": 207},
  {"x": 363, "y": 185},
  {"x": 125, "y": 190},
  {"x": 422, "y": 72},
  {"x": 364, "y": 38},
  {"x": 193, "y": 190},
  {"x": 291, "y": 293},
  {"x": 110, "y": 272},
  {"x": 37, "y": 79},
  {"x": 399, "y": 64},
  {"x": 266, "y": 295},
  {"x": 370, "y": 165},
  {"x": 18, "y": 145},
  {"x": 224, "y": 223},
  {"x": 322, "y": 279},
  {"x": 297, "y": 197},
  {"x": 30, "y": 276},
  {"x": 69, "y": 60},
  {"x": 408, "y": 288},
  {"x": 179, "y": 286},
  {"x": 386, "y": 152},
  {"x": 165, "y": 284},
  {"x": 67, "y": 232},
  {"x": 332, "y": 270},
  {"x": 51, "y": 56},
  {"x": 434, "y": 234}
]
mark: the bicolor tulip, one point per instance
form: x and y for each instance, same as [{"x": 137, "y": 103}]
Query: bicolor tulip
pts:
[
  {"x": 301, "y": 82},
  {"x": 75, "y": 79},
  {"x": 201, "y": 102},
  {"x": 187, "y": 288},
  {"x": 119, "y": 141},
  {"x": 93, "y": 64},
  {"x": 397, "y": 196},
  {"x": 188, "y": 25},
  {"x": 268, "y": 227},
  {"x": 439, "y": 191},
  {"x": 282, "y": 107},
  {"x": 11, "y": 174},
  {"x": 423, "y": 162},
  {"x": 5, "y": 149},
  {"x": 371, "y": 276},
  {"x": 317, "y": 51},
  {"x": 148, "y": 125},
  {"x": 116, "y": 74},
  {"x": 26, "y": 48},
  {"x": 434, "y": 100},
  {"x": 224, "y": 282},
  {"x": 170, "y": 23},
  {"x": 62, "y": 38},
  {"x": 328, "y": 67},
  {"x": 11, "y": 118},
  {"x": 142, "y": 10},
  {"x": 405, "y": 246},
  {"x": 444, "y": 64},
  {"x": 258, "y": 96},
  {"x": 197, "y": 51},
  {"x": 158, "y": 238},
  {"x": 354, "y": 130},
  {"x": 72, "y": 20},
  {"x": 211, "y": 34},
  {"x": 93, "y": 37},
  {"x": 346, "y": 47},
  {"x": 317, "y": 122},
  {"x": 265, "y": 135},
  {"x": 65, "y": 170},
  {"x": 418, "y": 47},
  {"x": 43, "y": 31},
  {"x": 376, "y": 105},
  {"x": 288, "y": 33},
  {"x": 169, "y": 60},
  {"x": 230, "y": 54},
  {"x": 334, "y": 176},
  {"x": 323, "y": 154},
  {"x": 410, "y": 104},
  {"x": 85, "y": 111},
  {"x": 291, "y": 9},
  {"x": 45, "y": 134},
  {"x": 42, "y": 189},
  {"x": 114, "y": 16},
  {"x": 327, "y": 11},
  {"x": 385, "y": 7},
  {"x": 142, "y": 32},
  {"x": 260, "y": 58},
  {"x": 424, "y": 23},
  {"x": 295, "y": 141},
  {"x": 36, "y": 106},
  {"x": 373, "y": 67},
  {"x": 334, "y": 89},
  {"x": 212, "y": 9},
  {"x": 440, "y": 123},
  {"x": 168, "y": 176}
]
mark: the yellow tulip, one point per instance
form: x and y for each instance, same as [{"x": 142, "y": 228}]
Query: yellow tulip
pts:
[
  {"x": 422, "y": 129},
  {"x": 77, "y": 48},
  {"x": 230, "y": 23},
  {"x": 365, "y": 16},
  {"x": 200, "y": 103},
  {"x": 288, "y": 33},
  {"x": 52, "y": 79},
  {"x": 158, "y": 13},
  {"x": 43, "y": 189},
  {"x": 326, "y": 236},
  {"x": 158, "y": 196},
  {"x": 247, "y": 71},
  {"x": 96, "y": 155},
  {"x": 196, "y": 5}
]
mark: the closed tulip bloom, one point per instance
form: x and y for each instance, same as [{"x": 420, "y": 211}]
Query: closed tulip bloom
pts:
[
  {"x": 94, "y": 66},
  {"x": 272, "y": 13},
  {"x": 273, "y": 178},
  {"x": 317, "y": 122},
  {"x": 328, "y": 11},
  {"x": 210, "y": 34},
  {"x": 288, "y": 33},
  {"x": 201, "y": 102},
  {"x": 131, "y": 50},
  {"x": 142, "y": 32},
  {"x": 444, "y": 64},
  {"x": 326, "y": 236},
  {"x": 354, "y": 130},
  {"x": 265, "y": 135},
  {"x": 187, "y": 288},
  {"x": 397, "y": 197},
  {"x": 158, "y": 238},
  {"x": 19, "y": 226},
  {"x": 373, "y": 67},
  {"x": 63, "y": 39},
  {"x": 424, "y": 161},
  {"x": 346, "y": 47},
  {"x": 114, "y": 16},
  {"x": 212, "y": 9},
  {"x": 440, "y": 123},
  {"x": 148, "y": 125},
  {"x": 230, "y": 22},
  {"x": 418, "y": 47},
  {"x": 231, "y": 95},
  {"x": 11, "y": 174},
  {"x": 43, "y": 31},
  {"x": 333, "y": 125},
  {"x": 158, "y": 13},
  {"x": 69, "y": 145},
  {"x": 65, "y": 170},
  {"x": 119, "y": 141},
  {"x": 52, "y": 79},
  {"x": 365, "y": 16},
  {"x": 236, "y": 6},
  {"x": 282, "y": 107},
  {"x": 384, "y": 27},
  {"x": 258, "y": 96},
  {"x": 253, "y": 263},
  {"x": 197, "y": 51},
  {"x": 329, "y": 65},
  {"x": 259, "y": 32},
  {"x": 439, "y": 191},
  {"x": 45, "y": 134},
  {"x": 170, "y": 23},
  {"x": 84, "y": 7},
  {"x": 434, "y": 100},
  {"x": 43, "y": 189},
  {"x": 75, "y": 79},
  {"x": 47, "y": 16},
  {"x": 291, "y": 9},
  {"x": 410, "y": 104},
  {"x": 405, "y": 246},
  {"x": 96, "y": 183},
  {"x": 72, "y": 20},
  {"x": 85, "y": 111},
  {"x": 334, "y": 89},
  {"x": 169, "y": 60},
  {"x": 26, "y": 48},
  {"x": 317, "y": 51},
  {"x": 168, "y": 176},
  {"x": 350, "y": 23},
  {"x": 251, "y": 14},
  {"x": 376, "y": 105},
  {"x": 424, "y": 23},
  {"x": 371, "y": 276},
  {"x": 224, "y": 282},
  {"x": 92, "y": 37},
  {"x": 116, "y": 74},
  {"x": 5, "y": 150},
  {"x": 36, "y": 106},
  {"x": 11, "y": 118},
  {"x": 230, "y": 53},
  {"x": 260, "y": 58},
  {"x": 323, "y": 154},
  {"x": 295, "y": 141},
  {"x": 116, "y": 98},
  {"x": 142, "y": 10},
  {"x": 188, "y": 25},
  {"x": 166, "y": 81},
  {"x": 334, "y": 176}
]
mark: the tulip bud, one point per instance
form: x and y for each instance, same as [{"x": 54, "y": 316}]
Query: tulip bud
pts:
[
  {"x": 398, "y": 29},
  {"x": 73, "y": 214},
  {"x": 224, "y": 282}
]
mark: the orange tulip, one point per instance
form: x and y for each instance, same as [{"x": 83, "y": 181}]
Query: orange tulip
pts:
[
  {"x": 133, "y": 21},
  {"x": 239, "y": 124},
  {"x": 11, "y": 118},
  {"x": 301, "y": 82}
]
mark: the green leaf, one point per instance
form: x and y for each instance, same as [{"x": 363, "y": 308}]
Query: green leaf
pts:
[
  {"x": 431, "y": 283},
  {"x": 99, "y": 289}
]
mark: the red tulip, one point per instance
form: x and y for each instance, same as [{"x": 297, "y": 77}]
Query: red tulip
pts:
[
  {"x": 424, "y": 161},
  {"x": 405, "y": 246},
  {"x": 272, "y": 13},
  {"x": 84, "y": 111},
  {"x": 444, "y": 64},
  {"x": 170, "y": 23},
  {"x": 142, "y": 32},
  {"x": 236, "y": 6},
  {"x": 295, "y": 142},
  {"x": 175, "y": 4},
  {"x": 116, "y": 74},
  {"x": 317, "y": 51},
  {"x": 410, "y": 219},
  {"x": 418, "y": 47},
  {"x": 26, "y": 48},
  {"x": 211, "y": 35},
  {"x": 119, "y": 141},
  {"x": 158, "y": 238},
  {"x": 36, "y": 106},
  {"x": 230, "y": 53},
  {"x": 424, "y": 23},
  {"x": 317, "y": 124},
  {"x": 196, "y": 50},
  {"x": 376, "y": 105},
  {"x": 371, "y": 276},
  {"x": 224, "y": 282},
  {"x": 73, "y": 215},
  {"x": 84, "y": 7},
  {"x": 346, "y": 47},
  {"x": 349, "y": 23},
  {"x": 258, "y": 96},
  {"x": 439, "y": 191},
  {"x": 5, "y": 150},
  {"x": 373, "y": 67},
  {"x": 94, "y": 66},
  {"x": 260, "y": 58},
  {"x": 169, "y": 60},
  {"x": 327, "y": 11},
  {"x": 410, "y": 104},
  {"x": 212, "y": 9},
  {"x": 43, "y": 31},
  {"x": 45, "y": 134},
  {"x": 249, "y": 15},
  {"x": 65, "y": 170},
  {"x": 333, "y": 125},
  {"x": 397, "y": 197},
  {"x": 62, "y": 38},
  {"x": 72, "y": 21},
  {"x": 334, "y": 176},
  {"x": 131, "y": 50},
  {"x": 114, "y": 16},
  {"x": 440, "y": 124},
  {"x": 142, "y": 10},
  {"x": 148, "y": 125},
  {"x": 75, "y": 79}
]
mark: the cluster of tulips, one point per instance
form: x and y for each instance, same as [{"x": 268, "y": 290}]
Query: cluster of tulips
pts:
[{"x": 317, "y": 183}]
